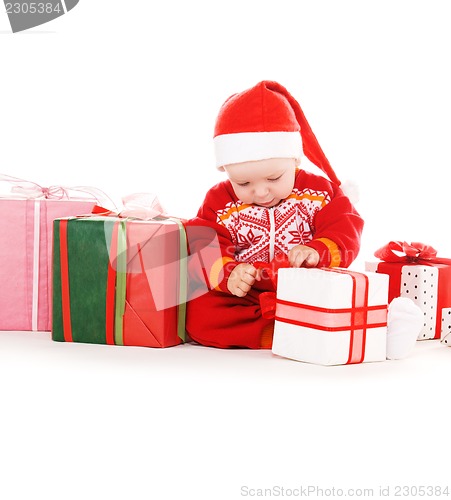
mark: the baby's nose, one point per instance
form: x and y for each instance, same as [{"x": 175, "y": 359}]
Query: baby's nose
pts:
[{"x": 261, "y": 190}]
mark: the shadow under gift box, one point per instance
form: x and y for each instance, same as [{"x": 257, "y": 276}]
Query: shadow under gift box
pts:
[
  {"x": 119, "y": 281},
  {"x": 26, "y": 259},
  {"x": 331, "y": 316}
]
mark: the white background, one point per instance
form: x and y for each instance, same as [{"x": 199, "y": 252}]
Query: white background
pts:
[{"x": 123, "y": 96}]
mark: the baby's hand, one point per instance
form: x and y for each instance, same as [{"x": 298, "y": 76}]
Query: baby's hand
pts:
[
  {"x": 241, "y": 279},
  {"x": 303, "y": 256}
]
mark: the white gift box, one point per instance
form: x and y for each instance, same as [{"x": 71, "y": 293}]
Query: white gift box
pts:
[
  {"x": 331, "y": 316},
  {"x": 428, "y": 286}
]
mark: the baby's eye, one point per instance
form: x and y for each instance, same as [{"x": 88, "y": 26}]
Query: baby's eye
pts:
[
  {"x": 243, "y": 184},
  {"x": 275, "y": 179}
]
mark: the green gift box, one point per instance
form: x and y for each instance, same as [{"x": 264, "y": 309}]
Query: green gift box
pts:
[{"x": 119, "y": 281}]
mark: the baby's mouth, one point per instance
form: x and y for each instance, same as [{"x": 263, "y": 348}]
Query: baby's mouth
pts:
[{"x": 267, "y": 204}]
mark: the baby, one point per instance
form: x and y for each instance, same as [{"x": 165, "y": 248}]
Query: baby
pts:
[{"x": 267, "y": 209}]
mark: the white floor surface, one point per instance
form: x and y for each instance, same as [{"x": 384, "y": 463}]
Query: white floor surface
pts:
[{"x": 83, "y": 421}]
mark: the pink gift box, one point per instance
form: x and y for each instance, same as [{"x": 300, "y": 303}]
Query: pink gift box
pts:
[{"x": 25, "y": 258}]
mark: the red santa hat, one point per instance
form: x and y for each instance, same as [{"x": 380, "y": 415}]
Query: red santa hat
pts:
[{"x": 264, "y": 122}]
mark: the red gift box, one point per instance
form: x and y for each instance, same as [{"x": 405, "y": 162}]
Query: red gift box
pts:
[{"x": 418, "y": 274}]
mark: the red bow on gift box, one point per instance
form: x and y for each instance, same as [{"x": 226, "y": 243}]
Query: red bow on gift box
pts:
[
  {"x": 415, "y": 252},
  {"x": 401, "y": 251}
]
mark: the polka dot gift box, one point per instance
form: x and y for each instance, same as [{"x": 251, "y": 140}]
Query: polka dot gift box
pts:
[
  {"x": 447, "y": 340},
  {"x": 417, "y": 273}
]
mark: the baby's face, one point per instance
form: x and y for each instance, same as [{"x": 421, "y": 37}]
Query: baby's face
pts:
[{"x": 263, "y": 182}]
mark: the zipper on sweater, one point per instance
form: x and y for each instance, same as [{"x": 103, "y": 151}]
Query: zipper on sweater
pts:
[{"x": 272, "y": 232}]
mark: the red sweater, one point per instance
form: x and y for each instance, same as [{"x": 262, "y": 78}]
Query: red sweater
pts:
[{"x": 316, "y": 214}]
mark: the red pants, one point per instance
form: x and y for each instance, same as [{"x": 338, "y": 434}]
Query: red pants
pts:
[{"x": 219, "y": 319}]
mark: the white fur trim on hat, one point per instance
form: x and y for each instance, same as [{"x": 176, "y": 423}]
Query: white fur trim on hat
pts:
[{"x": 253, "y": 146}]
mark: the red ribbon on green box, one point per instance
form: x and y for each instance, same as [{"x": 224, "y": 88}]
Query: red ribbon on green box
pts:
[{"x": 116, "y": 286}]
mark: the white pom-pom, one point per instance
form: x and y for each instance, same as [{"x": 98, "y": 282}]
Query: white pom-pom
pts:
[
  {"x": 404, "y": 323},
  {"x": 351, "y": 190}
]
